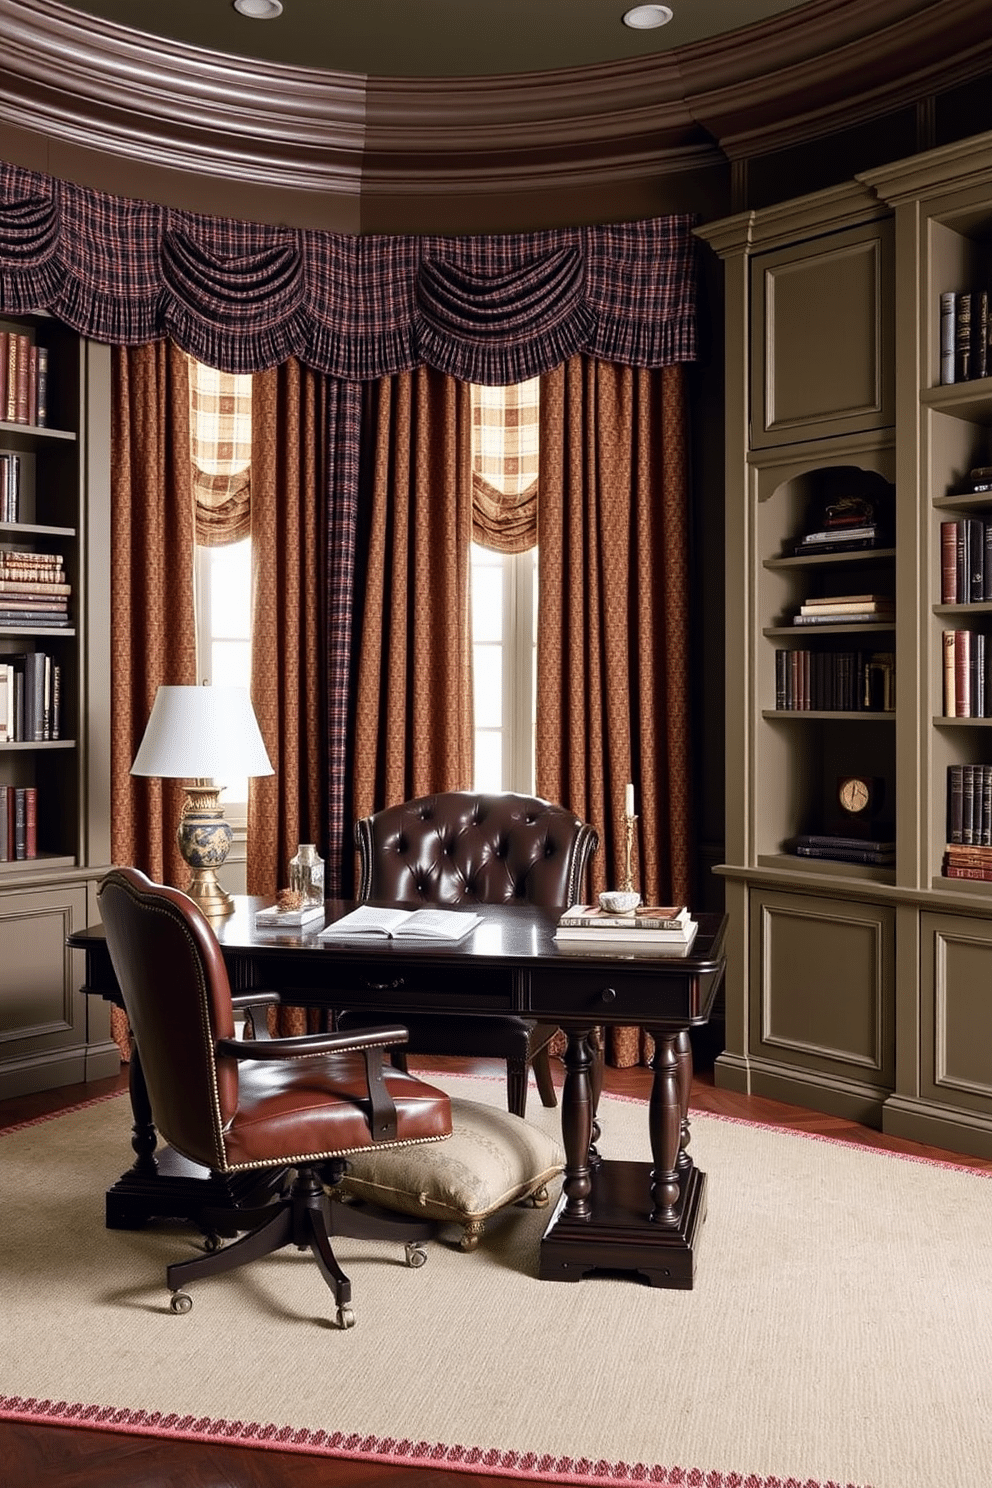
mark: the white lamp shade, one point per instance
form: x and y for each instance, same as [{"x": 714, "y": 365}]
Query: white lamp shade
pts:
[{"x": 202, "y": 733}]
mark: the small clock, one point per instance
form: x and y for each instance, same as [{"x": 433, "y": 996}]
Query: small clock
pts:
[{"x": 859, "y": 797}]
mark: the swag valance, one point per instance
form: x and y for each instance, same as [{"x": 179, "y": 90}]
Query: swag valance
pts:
[{"x": 244, "y": 296}]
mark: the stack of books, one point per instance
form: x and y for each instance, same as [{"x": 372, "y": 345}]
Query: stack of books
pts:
[
  {"x": 870, "y": 852},
  {"x": 969, "y": 809},
  {"x": 848, "y": 525},
  {"x": 652, "y": 927},
  {"x": 847, "y": 609},
  {"x": 34, "y": 592},
  {"x": 23, "y": 380}
]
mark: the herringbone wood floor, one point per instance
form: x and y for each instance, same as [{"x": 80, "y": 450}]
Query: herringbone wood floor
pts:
[{"x": 60, "y": 1457}]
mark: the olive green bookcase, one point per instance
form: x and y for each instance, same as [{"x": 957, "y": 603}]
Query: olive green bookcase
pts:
[{"x": 860, "y": 989}]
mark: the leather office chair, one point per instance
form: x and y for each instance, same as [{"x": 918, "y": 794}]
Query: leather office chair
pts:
[
  {"x": 266, "y": 1105},
  {"x": 460, "y": 847}
]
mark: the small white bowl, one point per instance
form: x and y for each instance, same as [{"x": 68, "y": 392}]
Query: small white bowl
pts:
[{"x": 619, "y": 901}]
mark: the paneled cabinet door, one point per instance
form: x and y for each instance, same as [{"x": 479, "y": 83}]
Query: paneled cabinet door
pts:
[
  {"x": 43, "y": 1013},
  {"x": 956, "y": 1011},
  {"x": 822, "y": 348}
]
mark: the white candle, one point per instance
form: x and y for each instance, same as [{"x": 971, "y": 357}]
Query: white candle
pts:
[{"x": 630, "y": 800}]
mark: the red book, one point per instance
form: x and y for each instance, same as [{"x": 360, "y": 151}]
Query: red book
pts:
[
  {"x": 962, "y": 674},
  {"x": 21, "y": 376},
  {"x": 30, "y": 821},
  {"x": 10, "y": 411},
  {"x": 32, "y": 385},
  {"x": 948, "y": 562},
  {"x": 3, "y": 374}
]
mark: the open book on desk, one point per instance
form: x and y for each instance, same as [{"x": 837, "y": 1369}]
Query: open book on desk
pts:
[{"x": 401, "y": 924}]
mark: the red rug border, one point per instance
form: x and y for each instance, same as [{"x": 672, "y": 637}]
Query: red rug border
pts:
[{"x": 353, "y": 1446}]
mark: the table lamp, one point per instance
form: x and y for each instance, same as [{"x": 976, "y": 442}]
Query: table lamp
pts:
[{"x": 200, "y": 734}]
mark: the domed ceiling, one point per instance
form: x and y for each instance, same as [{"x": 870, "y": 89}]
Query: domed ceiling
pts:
[{"x": 437, "y": 38}]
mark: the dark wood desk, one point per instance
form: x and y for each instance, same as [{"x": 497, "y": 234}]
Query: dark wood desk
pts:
[{"x": 630, "y": 1216}]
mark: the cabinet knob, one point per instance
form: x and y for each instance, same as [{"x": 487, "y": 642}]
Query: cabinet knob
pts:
[{"x": 608, "y": 994}]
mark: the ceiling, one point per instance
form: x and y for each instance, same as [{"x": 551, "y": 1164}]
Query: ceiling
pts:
[{"x": 435, "y": 38}]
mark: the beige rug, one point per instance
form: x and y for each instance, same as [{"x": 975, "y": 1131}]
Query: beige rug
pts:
[{"x": 840, "y": 1329}]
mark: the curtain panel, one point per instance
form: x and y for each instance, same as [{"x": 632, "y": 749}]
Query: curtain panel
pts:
[{"x": 245, "y": 296}]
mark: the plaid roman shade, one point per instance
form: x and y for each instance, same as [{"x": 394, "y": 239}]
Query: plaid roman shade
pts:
[
  {"x": 220, "y": 453},
  {"x": 245, "y": 296},
  {"x": 504, "y": 465}
]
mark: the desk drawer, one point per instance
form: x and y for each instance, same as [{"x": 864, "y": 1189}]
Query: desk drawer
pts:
[
  {"x": 612, "y": 996},
  {"x": 427, "y": 988}
]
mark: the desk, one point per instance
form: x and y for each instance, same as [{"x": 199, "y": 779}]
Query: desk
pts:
[{"x": 628, "y": 1216}]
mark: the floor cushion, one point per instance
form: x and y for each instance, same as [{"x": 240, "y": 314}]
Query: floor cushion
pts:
[{"x": 492, "y": 1158}]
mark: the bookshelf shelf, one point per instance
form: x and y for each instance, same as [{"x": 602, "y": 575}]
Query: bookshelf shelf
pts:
[
  {"x": 810, "y": 632},
  {"x": 831, "y": 715},
  {"x": 830, "y": 560}
]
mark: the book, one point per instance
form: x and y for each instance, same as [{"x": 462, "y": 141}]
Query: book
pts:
[
  {"x": 41, "y": 395},
  {"x": 10, "y": 411},
  {"x": 948, "y": 314},
  {"x": 274, "y": 918},
  {"x": 401, "y": 924},
  {"x": 5, "y": 843},
  {"x": 962, "y": 339},
  {"x": 865, "y": 856},
  {"x": 645, "y": 917},
  {"x": 832, "y": 545},
  {"x": 855, "y": 617},
  {"x": 948, "y": 562},
  {"x": 859, "y": 844},
  {"x": 612, "y": 938},
  {"x": 865, "y": 604}
]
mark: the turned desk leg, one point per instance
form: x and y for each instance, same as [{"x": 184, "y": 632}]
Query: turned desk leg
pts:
[
  {"x": 665, "y": 1126},
  {"x": 144, "y": 1137},
  {"x": 577, "y": 1114},
  {"x": 683, "y": 1054}
]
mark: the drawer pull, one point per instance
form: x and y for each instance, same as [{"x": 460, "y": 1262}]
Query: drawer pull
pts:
[
  {"x": 384, "y": 986},
  {"x": 608, "y": 994}
]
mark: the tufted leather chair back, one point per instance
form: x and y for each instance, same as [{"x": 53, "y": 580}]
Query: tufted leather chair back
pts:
[
  {"x": 175, "y": 987},
  {"x": 460, "y": 847}
]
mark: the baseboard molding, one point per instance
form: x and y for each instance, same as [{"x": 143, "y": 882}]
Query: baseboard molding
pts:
[
  {"x": 103, "y": 1060},
  {"x": 730, "y": 1072},
  {"x": 919, "y": 1120},
  {"x": 43, "y": 1072},
  {"x": 818, "y": 1092}
]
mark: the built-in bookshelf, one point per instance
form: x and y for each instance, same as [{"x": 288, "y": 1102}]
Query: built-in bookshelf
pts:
[
  {"x": 54, "y": 695},
  {"x": 41, "y": 488},
  {"x": 861, "y": 987}
]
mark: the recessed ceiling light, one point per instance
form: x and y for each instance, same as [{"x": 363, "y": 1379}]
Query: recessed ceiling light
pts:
[
  {"x": 646, "y": 17},
  {"x": 259, "y": 10}
]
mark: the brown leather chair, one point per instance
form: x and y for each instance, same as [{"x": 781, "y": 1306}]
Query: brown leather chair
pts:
[
  {"x": 273, "y": 1106},
  {"x": 461, "y": 847}
]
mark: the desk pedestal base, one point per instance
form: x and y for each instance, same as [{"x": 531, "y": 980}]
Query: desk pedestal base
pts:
[
  {"x": 619, "y": 1236},
  {"x": 178, "y": 1189}
]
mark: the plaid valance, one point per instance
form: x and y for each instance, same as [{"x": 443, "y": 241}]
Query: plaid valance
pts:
[{"x": 244, "y": 296}]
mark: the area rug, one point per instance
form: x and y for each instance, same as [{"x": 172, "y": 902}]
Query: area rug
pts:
[{"x": 839, "y": 1332}]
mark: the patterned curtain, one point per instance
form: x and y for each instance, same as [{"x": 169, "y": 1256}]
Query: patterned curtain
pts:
[
  {"x": 413, "y": 719},
  {"x": 613, "y": 622}
]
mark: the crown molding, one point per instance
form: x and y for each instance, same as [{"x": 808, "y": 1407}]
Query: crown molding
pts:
[{"x": 98, "y": 90}]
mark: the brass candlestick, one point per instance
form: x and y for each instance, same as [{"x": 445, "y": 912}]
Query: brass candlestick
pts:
[{"x": 628, "y": 877}]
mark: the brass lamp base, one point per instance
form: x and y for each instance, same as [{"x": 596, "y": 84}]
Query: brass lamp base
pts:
[{"x": 204, "y": 841}]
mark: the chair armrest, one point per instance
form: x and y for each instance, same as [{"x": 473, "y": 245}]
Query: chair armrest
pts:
[
  {"x": 254, "y": 1004},
  {"x": 368, "y": 1041},
  {"x": 313, "y": 1043}
]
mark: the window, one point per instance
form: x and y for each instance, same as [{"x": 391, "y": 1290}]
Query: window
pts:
[
  {"x": 220, "y": 452},
  {"x": 504, "y": 583},
  {"x": 504, "y": 660}
]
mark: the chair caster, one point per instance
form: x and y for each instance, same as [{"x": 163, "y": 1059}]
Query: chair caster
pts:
[
  {"x": 416, "y": 1255},
  {"x": 539, "y": 1199},
  {"x": 345, "y": 1317},
  {"x": 212, "y": 1243},
  {"x": 180, "y": 1302}
]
